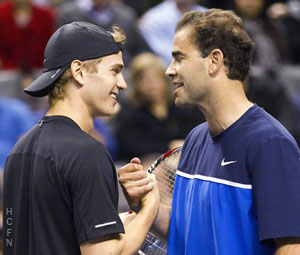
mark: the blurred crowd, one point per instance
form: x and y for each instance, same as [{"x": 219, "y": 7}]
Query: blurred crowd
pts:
[{"x": 146, "y": 123}]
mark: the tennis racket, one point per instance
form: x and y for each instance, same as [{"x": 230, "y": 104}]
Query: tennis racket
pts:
[{"x": 164, "y": 169}]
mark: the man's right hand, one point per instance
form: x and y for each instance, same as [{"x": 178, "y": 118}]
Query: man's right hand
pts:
[
  {"x": 136, "y": 183},
  {"x": 141, "y": 191}
]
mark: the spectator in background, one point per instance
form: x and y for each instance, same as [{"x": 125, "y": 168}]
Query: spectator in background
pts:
[
  {"x": 141, "y": 6},
  {"x": 269, "y": 35},
  {"x": 157, "y": 25},
  {"x": 25, "y": 30},
  {"x": 103, "y": 133},
  {"x": 16, "y": 119},
  {"x": 289, "y": 14},
  {"x": 1, "y": 211},
  {"x": 280, "y": 9},
  {"x": 106, "y": 13},
  {"x": 272, "y": 50},
  {"x": 54, "y": 3},
  {"x": 151, "y": 123}
]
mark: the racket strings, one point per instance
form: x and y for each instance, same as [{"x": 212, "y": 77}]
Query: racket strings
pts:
[
  {"x": 165, "y": 187},
  {"x": 153, "y": 245},
  {"x": 165, "y": 172}
]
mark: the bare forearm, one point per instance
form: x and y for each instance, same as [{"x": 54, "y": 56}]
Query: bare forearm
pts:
[
  {"x": 293, "y": 249},
  {"x": 136, "y": 230},
  {"x": 288, "y": 246},
  {"x": 136, "y": 227},
  {"x": 161, "y": 224}
]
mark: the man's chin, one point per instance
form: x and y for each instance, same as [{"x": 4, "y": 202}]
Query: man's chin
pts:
[{"x": 180, "y": 103}]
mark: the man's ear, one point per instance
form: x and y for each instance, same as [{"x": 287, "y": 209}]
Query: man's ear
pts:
[
  {"x": 76, "y": 70},
  {"x": 216, "y": 58}
]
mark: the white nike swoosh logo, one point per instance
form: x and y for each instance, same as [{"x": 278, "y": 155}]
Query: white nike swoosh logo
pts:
[{"x": 223, "y": 163}]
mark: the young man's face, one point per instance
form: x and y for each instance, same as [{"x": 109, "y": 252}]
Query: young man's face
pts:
[
  {"x": 188, "y": 70},
  {"x": 103, "y": 87}
]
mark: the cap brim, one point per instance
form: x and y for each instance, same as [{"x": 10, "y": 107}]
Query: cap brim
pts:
[{"x": 41, "y": 85}]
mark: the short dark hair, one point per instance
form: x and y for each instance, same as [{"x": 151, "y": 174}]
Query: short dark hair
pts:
[{"x": 219, "y": 29}]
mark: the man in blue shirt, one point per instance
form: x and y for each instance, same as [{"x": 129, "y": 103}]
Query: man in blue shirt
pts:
[
  {"x": 17, "y": 118},
  {"x": 157, "y": 25},
  {"x": 237, "y": 184}
]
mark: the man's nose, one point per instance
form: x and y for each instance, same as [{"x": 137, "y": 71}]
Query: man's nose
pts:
[
  {"x": 170, "y": 72},
  {"x": 122, "y": 83}
]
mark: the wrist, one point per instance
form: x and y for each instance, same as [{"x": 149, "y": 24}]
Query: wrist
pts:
[{"x": 135, "y": 208}]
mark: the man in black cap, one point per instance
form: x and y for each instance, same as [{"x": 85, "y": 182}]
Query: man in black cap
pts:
[{"x": 60, "y": 184}]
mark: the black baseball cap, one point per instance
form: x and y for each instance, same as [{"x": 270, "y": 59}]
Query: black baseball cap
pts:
[{"x": 77, "y": 40}]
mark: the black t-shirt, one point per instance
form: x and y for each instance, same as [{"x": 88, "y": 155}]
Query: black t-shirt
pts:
[{"x": 60, "y": 189}]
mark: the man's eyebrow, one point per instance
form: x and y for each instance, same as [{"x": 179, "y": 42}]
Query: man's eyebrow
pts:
[{"x": 177, "y": 54}]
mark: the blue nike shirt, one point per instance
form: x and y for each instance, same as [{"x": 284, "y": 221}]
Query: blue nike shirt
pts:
[{"x": 237, "y": 191}]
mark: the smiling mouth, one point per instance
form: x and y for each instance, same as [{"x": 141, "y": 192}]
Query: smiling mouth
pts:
[
  {"x": 113, "y": 95},
  {"x": 177, "y": 85}
]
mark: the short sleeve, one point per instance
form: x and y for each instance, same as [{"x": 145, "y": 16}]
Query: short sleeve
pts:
[
  {"x": 92, "y": 180},
  {"x": 276, "y": 188}
]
